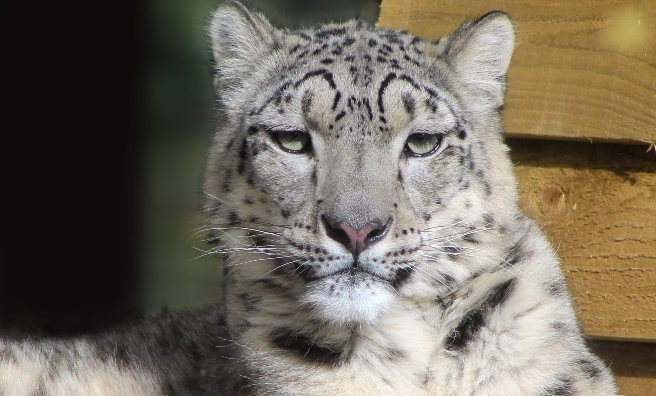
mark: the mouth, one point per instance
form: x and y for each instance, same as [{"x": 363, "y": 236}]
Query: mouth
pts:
[
  {"x": 352, "y": 274},
  {"x": 349, "y": 295}
]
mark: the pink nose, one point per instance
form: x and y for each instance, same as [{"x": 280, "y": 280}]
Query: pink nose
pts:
[{"x": 358, "y": 238}]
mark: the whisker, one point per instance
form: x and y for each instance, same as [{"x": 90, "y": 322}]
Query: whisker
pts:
[{"x": 212, "y": 196}]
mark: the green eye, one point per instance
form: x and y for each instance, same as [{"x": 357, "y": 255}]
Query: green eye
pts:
[
  {"x": 293, "y": 141},
  {"x": 420, "y": 144}
]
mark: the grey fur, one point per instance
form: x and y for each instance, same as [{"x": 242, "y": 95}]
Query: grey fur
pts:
[{"x": 450, "y": 289}]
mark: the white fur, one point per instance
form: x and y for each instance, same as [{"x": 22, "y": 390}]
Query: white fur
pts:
[{"x": 343, "y": 300}]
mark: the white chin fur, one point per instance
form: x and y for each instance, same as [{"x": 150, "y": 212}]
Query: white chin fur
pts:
[{"x": 343, "y": 299}]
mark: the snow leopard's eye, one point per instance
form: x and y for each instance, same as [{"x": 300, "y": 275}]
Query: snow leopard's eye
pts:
[
  {"x": 422, "y": 144},
  {"x": 292, "y": 141}
]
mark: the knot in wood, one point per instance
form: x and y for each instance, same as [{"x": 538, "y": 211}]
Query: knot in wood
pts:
[{"x": 553, "y": 197}]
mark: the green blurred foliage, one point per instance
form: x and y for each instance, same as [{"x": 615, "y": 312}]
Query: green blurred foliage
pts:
[{"x": 178, "y": 120}]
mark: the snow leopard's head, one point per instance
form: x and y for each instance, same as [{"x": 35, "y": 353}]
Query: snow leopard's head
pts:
[{"x": 354, "y": 166}]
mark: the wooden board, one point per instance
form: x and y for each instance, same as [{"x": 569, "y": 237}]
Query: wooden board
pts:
[
  {"x": 581, "y": 70},
  {"x": 597, "y": 205},
  {"x": 633, "y": 365}
]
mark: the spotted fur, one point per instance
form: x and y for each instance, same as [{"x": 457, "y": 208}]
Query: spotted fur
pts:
[{"x": 354, "y": 265}]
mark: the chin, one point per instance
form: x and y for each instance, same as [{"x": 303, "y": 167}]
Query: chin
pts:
[{"x": 348, "y": 298}]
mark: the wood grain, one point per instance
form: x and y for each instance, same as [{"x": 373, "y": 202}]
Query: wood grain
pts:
[
  {"x": 582, "y": 70},
  {"x": 597, "y": 205},
  {"x": 633, "y": 365}
]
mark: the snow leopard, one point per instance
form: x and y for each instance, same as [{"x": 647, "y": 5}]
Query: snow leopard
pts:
[{"x": 360, "y": 193}]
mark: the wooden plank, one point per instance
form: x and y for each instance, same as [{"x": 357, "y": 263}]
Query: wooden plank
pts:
[
  {"x": 581, "y": 70},
  {"x": 633, "y": 365},
  {"x": 597, "y": 205}
]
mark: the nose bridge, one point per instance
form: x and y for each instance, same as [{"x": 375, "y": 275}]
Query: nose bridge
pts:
[{"x": 358, "y": 189}]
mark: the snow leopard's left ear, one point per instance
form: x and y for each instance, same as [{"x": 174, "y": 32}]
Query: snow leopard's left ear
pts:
[
  {"x": 479, "y": 52},
  {"x": 240, "y": 38}
]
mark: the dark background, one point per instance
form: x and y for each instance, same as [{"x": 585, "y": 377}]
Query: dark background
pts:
[{"x": 108, "y": 119}]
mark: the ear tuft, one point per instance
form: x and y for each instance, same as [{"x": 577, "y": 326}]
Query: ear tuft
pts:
[
  {"x": 480, "y": 51},
  {"x": 239, "y": 38}
]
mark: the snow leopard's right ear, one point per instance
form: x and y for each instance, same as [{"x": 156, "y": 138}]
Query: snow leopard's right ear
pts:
[
  {"x": 479, "y": 52},
  {"x": 240, "y": 38}
]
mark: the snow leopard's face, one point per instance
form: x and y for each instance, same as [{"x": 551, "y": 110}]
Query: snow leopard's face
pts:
[{"x": 354, "y": 166}]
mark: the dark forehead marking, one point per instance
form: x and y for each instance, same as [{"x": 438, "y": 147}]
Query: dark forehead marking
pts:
[
  {"x": 328, "y": 76},
  {"x": 448, "y": 104},
  {"x": 337, "y": 51},
  {"x": 409, "y": 59},
  {"x": 391, "y": 37},
  {"x": 318, "y": 50},
  {"x": 365, "y": 102},
  {"x": 348, "y": 41},
  {"x": 432, "y": 92},
  {"x": 276, "y": 98},
  {"x": 338, "y": 96},
  {"x": 306, "y": 102},
  {"x": 409, "y": 80},
  {"x": 408, "y": 102},
  {"x": 323, "y": 34},
  {"x": 388, "y": 79},
  {"x": 385, "y": 49},
  {"x": 303, "y": 35}
]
